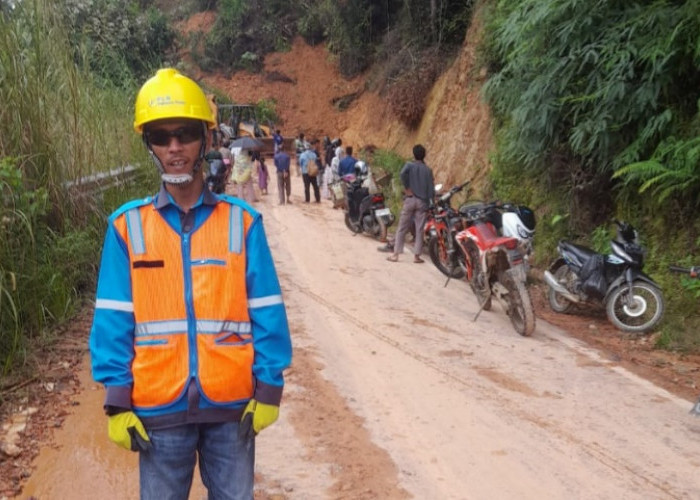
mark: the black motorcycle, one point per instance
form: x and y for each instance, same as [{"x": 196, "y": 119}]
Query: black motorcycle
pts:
[
  {"x": 216, "y": 179},
  {"x": 633, "y": 301},
  {"x": 365, "y": 212}
]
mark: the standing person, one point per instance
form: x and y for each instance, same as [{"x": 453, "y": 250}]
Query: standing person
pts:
[
  {"x": 284, "y": 182},
  {"x": 339, "y": 151},
  {"x": 242, "y": 175},
  {"x": 277, "y": 140},
  {"x": 190, "y": 334},
  {"x": 419, "y": 191},
  {"x": 227, "y": 156},
  {"x": 216, "y": 133},
  {"x": 261, "y": 169},
  {"x": 299, "y": 148},
  {"x": 307, "y": 160},
  {"x": 326, "y": 180},
  {"x": 347, "y": 164}
]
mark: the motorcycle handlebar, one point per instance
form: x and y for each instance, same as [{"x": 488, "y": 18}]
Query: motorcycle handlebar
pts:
[{"x": 456, "y": 189}]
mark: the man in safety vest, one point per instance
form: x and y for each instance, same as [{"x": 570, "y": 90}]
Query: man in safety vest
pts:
[{"x": 190, "y": 334}]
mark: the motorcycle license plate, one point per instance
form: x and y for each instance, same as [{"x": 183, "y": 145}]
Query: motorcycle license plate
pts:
[{"x": 382, "y": 211}]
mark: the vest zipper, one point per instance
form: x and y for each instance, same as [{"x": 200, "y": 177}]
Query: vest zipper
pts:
[{"x": 189, "y": 305}]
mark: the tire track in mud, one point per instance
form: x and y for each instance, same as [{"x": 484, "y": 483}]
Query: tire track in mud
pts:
[{"x": 596, "y": 451}]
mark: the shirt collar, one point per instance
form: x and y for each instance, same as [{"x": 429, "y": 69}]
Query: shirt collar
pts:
[{"x": 164, "y": 198}]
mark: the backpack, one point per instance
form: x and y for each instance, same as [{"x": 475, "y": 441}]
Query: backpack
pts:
[{"x": 312, "y": 167}]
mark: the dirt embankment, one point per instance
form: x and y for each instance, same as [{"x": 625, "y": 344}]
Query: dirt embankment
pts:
[{"x": 309, "y": 92}]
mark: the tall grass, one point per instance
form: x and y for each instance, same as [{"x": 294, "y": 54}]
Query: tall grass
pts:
[{"x": 57, "y": 123}]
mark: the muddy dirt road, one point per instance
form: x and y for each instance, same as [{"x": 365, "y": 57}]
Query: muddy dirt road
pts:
[{"x": 395, "y": 393}]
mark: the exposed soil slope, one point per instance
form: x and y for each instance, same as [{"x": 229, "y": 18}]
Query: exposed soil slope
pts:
[{"x": 456, "y": 128}]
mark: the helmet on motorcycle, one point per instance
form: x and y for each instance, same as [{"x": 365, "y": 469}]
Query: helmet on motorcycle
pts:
[
  {"x": 361, "y": 168},
  {"x": 527, "y": 216},
  {"x": 170, "y": 94}
]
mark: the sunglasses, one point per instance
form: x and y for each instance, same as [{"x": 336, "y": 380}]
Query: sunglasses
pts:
[{"x": 184, "y": 135}]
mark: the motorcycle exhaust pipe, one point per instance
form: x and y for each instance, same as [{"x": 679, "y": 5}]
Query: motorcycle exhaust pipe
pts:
[{"x": 557, "y": 287}]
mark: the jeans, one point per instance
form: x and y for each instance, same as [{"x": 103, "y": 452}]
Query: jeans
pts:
[{"x": 226, "y": 463}]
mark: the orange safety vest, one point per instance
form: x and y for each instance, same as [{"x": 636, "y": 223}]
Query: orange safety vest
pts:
[{"x": 190, "y": 306}]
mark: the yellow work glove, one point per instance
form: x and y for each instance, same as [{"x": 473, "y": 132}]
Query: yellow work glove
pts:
[
  {"x": 126, "y": 430},
  {"x": 256, "y": 417}
]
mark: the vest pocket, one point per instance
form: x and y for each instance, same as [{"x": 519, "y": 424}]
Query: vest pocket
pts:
[
  {"x": 160, "y": 370},
  {"x": 225, "y": 369}
]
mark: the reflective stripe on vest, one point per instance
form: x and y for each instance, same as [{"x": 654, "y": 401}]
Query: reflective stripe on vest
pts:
[
  {"x": 190, "y": 306},
  {"x": 235, "y": 235}
]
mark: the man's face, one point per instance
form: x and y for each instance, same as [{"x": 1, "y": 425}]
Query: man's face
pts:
[{"x": 176, "y": 142}]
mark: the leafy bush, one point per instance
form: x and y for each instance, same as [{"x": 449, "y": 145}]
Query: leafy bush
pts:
[
  {"x": 408, "y": 92},
  {"x": 117, "y": 40},
  {"x": 60, "y": 124},
  {"x": 599, "y": 83},
  {"x": 245, "y": 31}
]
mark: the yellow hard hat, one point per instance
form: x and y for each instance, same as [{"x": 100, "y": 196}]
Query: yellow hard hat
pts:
[{"x": 170, "y": 94}]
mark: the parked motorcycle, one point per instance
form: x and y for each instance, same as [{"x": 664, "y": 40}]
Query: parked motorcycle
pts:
[
  {"x": 365, "y": 212},
  {"x": 442, "y": 225},
  {"x": 633, "y": 301},
  {"x": 216, "y": 179},
  {"x": 692, "y": 272},
  {"x": 495, "y": 266}
]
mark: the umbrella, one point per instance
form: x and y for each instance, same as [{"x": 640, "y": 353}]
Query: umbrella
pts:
[{"x": 247, "y": 143}]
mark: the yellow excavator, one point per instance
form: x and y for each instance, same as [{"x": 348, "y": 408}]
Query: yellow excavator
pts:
[{"x": 240, "y": 120}]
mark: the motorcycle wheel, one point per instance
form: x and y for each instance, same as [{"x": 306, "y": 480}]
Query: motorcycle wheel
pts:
[
  {"x": 479, "y": 282},
  {"x": 520, "y": 310},
  {"x": 638, "y": 313},
  {"x": 439, "y": 256},
  {"x": 352, "y": 227},
  {"x": 558, "y": 302}
]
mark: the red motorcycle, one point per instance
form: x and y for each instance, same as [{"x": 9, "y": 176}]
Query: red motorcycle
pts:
[
  {"x": 495, "y": 266},
  {"x": 441, "y": 227}
]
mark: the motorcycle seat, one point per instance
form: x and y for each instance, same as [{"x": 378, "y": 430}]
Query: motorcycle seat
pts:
[
  {"x": 582, "y": 253},
  {"x": 490, "y": 239}
]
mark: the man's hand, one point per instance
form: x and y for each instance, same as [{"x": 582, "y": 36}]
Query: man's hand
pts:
[
  {"x": 126, "y": 430},
  {"x": 256, "y": 417}
]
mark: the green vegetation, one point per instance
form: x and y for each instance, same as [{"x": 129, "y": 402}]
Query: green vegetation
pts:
[
  {"x": 384, "y": 162},
  {"x": 413, "y": 39},
  {"x": 596, "y": 105},
  {"x": 67, "y": 113}
]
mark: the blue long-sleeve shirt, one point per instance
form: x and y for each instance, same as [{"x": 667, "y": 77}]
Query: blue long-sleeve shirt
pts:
[
  {"x": 282, "y": 161},
  {"x": 113, "y": 330}
]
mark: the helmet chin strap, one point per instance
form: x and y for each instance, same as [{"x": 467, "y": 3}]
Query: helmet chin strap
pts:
[{"x": 179, "y": 179}]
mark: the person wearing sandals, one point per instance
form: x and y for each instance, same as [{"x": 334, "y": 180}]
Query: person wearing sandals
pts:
[{"x": 419, "y": 191}]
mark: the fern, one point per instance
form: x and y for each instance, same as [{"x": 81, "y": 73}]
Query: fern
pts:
[
  {"x": 605, "y": 82},
  {"x": 674, "y": 170}
]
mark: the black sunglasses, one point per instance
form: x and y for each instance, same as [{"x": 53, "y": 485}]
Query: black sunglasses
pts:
[{"x": 184, "y": 135}]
